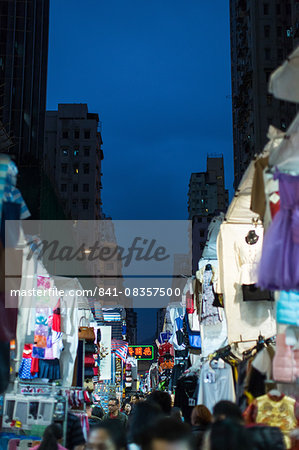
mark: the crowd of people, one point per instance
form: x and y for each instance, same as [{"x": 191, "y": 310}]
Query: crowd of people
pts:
[{"x": 153, "y": 423}]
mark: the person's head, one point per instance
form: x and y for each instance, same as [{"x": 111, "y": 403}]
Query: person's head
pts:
[
  {"x": 201, "y": 416},
  {"x": 97, "y": 411},
  {"x": 135, "y": 399},
  {"x": 51, "y": 437},
  {"x": 162, "y": 399},
  {"x": 144, "y": 417},
  {"x": 227, "y": 435},
  {"x": 176, "y": 414},
  {"x": 227, "y": 410},
  {"x": 128, "y": 408},
  {"x": 113, "y": 405},
  {"x": 107, "y": 435},
  {"x": 169, "y": 434}
]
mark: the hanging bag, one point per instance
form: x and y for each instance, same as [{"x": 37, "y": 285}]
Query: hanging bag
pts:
[
  {"x": 86, "y": 333},
  {"x": 194, "y": 336}
]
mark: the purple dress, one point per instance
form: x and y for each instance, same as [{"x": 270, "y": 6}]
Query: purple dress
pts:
[{"x": 279, "y": 265}]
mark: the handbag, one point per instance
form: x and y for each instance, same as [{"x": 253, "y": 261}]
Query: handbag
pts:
[
  {"x": 86, "y": 333},
  {"x": 251, "y": 293},
  {"x": 194, "y": 336}
]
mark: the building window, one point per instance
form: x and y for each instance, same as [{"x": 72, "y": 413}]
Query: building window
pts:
[
  {"x": 75, "y": 187},
  {"x": 63, "y": 187},
  {"x": 267, "y": 31},
  {"x": 202, "y": 233},
  {"x": 278, "y": 10},
  {"x": 64, "y": 152},
  {"x": 267, "y": 54},
  {"x": 288, "y": 8},
  {"x": 266, "y": 9},
  {"x": 77, "y": 134},
  {"x": 85, "y": 204},
  {"x": 74, "y": 203},
  {"x": 65, "y": 134},
  {"x": 86, "y": 151},
  {"x": 279, "y": 31},
  {"x": 63, "y": 168},
  {"x": 85, "y": 187},
  {"x": 87, "y": 134},
  {"x": 85, "y": 168},
  {"x": 76, "y": 169},
  {"x": 76, "y": 151},
  {"x": 270, "y": 121}
]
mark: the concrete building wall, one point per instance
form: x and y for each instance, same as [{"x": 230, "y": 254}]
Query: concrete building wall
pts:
[
  {"x": 73, "y": 158},
  {"x": 263, "y": 34},
  {"x": 24, "y": 27}
]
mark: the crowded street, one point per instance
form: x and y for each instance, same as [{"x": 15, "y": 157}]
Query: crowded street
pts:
[{"x": 149, "y": 208}]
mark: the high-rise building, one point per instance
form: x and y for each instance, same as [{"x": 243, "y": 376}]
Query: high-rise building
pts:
[
  {"x": 207, "y": 193},
  {"x": 207, "y": 197},
  {"x": 263, "y": 34},
  {"x": 73, "y": 156},
  {"x": 24, "y": 28}
]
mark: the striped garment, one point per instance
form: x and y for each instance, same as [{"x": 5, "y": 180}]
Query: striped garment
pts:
[
  {"x": 120, "y": 348},
  {"x": 4, "y": 163},
  {"x": 12, "y": 194}
]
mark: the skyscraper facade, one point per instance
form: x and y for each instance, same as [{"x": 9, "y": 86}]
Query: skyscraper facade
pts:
[
  {"x": 73, "y": 159},
  {"x": 263, "y": 34},
  {"x": 207, "y": 196},
  {"x": 24, "y": 27}
]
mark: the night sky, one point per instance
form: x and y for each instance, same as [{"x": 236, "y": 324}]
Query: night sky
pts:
[{"x": 158, "y": 74}]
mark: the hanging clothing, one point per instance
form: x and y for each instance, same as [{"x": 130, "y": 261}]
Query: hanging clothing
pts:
[
  {"x": 26, "y": 370},
  {"x": 248, "y": 257},
  {"x": 49, "y": 369},
  {"x": 215, "y": 383},
  {"x": 275, "y": 412},
  {"x": 285, "y": 361},
  {"x": 245, "y": 319},
  {"x": 287, "y": 308},
  {"x": 186, "y": 395},
  {"x": 258, "y": 198},
  {"x": 209, "y": 314},
  {"x": 177, "y": 338},
  {"x": 279, "y": 269}
]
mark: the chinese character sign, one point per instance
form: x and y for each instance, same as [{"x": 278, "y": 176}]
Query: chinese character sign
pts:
[{"x": 142, "y": 352}]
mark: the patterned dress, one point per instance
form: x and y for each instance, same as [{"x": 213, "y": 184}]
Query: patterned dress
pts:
[{"x": 209, "y": 313}]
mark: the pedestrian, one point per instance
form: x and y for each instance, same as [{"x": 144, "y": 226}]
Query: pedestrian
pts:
[
  {"x": 227, "y": 434},
  {"x": 106, "y": 435},
  {"x": 143, "y": 418},
  {"x": 201, "y": 419},
  {"x": 169, "y": 434},
  {"x": 74, "y": 433},
  {"x": 176, "y": 414},
  {"x": 163, "y": 399},
  {"x": 127, "y": 409},
  {"x": 114, "y": 412},
  {"x": 94, "y": 414},
  {"x": 227, "y": 410},
  {"x": 135, "y": 399},
  {"x": 51, "y": 438}
]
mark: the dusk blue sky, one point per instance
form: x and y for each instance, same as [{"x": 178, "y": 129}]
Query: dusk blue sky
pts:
[{"x": 158, "y": 74}]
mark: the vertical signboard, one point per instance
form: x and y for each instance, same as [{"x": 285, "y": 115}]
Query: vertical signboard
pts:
[{"x": 105, "y": 363}]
